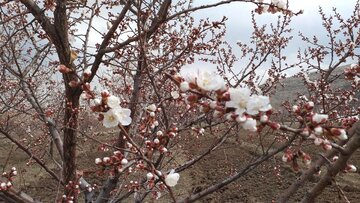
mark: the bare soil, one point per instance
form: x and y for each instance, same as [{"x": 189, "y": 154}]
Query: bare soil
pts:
[{"x": 263, "y": 184}]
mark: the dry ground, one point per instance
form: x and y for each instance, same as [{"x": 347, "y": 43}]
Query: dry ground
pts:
[{"x": 260, "y": 185}]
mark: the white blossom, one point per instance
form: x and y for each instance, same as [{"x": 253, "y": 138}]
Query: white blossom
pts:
[
  {"x": 151, "y": 108},
  {"x": 172, "y": 178},
  {"x": 124, "y": 161},
  {"x": 97, "y": 101},
  {"x": 175, "y": 94},
  {"x": 116, "y": 116},
  {"x": 318, "y": 130},
  {"x": 281, "y": 4},
  {"x": 111, "y": 118},
  {"x": 239, "y": 98},
  {"x": 149, "y": 176},
  {"x": 3, "y": 186},
  {"x": 258, "y": 103},
  {"x": 320, "y": 118},
  {"x": 343, "y": 135},
  {"x": 209, "y": 81},
  {"x": 241, "y": 119},
  {"x": 264, "y": 118},
  {"x": 250, "y": 124},
  {"x": 98, "y": 161}
]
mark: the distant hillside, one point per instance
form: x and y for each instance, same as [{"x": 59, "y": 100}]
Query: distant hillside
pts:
[{"x": 294, "y": 85}]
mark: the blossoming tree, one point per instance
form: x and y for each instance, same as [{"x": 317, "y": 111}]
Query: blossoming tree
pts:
[{"x": 55, "y": 79}]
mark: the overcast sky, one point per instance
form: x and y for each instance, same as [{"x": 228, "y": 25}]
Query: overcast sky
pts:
[{"x": 309, "y": 23}]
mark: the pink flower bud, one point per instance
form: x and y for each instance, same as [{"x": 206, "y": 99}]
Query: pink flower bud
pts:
[
  {"x": 264, "y": 119},
  {"x": 309, "y": 106},
  {"x": 73, "y": 83},
  {"x": 287, "y": 157},
  {"x": 339, "y": 133},
  {"x": 98, "y": 161},
  {"x": 296, "y": 109},
  {"x": 106, "y": 160},
  {"x": 149, "y": 176},
  {"x": 326, "y": 147},
  {"x": 105, "y": 93},
  {"x": 63, "y": 69},
  {"x": 163, "y": 150},
  {"x": 124, "y": 161},
  {"x": 318, "y": 141},
  {"x": 350, "y": 168}
]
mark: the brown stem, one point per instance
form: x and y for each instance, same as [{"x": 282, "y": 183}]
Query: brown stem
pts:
[{"x": 351, "y": 146}]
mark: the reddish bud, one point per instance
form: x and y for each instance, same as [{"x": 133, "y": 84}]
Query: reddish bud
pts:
[
  {"x": 73, "y": 83},
  {"x": 63, "y": 69}
]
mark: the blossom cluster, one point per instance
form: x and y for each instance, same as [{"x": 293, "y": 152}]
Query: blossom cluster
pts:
[
  {"x": 291, "y": 156},
  {"x": 273, "y": 6},
  {"x": 353, "y": 73},
  {"x": 117, "y": 161},
  {"x": 110, "y": 112},
  {"x": 316, "y": 128},
  {"x": 4, "y": 186},
  {"x": 319, "y": 130},
  {"x": 236, "y": 104}
]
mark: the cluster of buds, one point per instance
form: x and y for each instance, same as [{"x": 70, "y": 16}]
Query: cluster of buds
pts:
[
  {"x": 273, "y": 7},
  {"x": 353, "y": 73},
  {"x": 198, "y": 131},
  {"x": 117, "y": 160},
  {"x": 4, "y": 186},
  {"x": 157, "y": 144},
  {"x": 291, "y": 157},
  {"x": 68, "y": 199},
  {"x": 349, "y": 122},
  {"x": 88, "y": 93},
  {"x": 150, "y": 121},
  {"x": 316, "y": 128},
  {"x": 73, "y": 188},
  {"x": 133, "y": 186}
]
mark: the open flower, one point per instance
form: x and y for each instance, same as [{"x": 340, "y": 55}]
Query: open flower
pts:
[
  {"x": 258, "y": 103},
  {"x": 124, "y": 116},
  {"x": 239, "y": 98},
  {"x": 116, "y": 116},
  {"x": 210, "y": 81},
  {"x": 172, "y": 178}
]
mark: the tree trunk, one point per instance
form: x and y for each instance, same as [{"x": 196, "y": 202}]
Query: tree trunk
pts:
[{"x": 70, "y": 134}]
